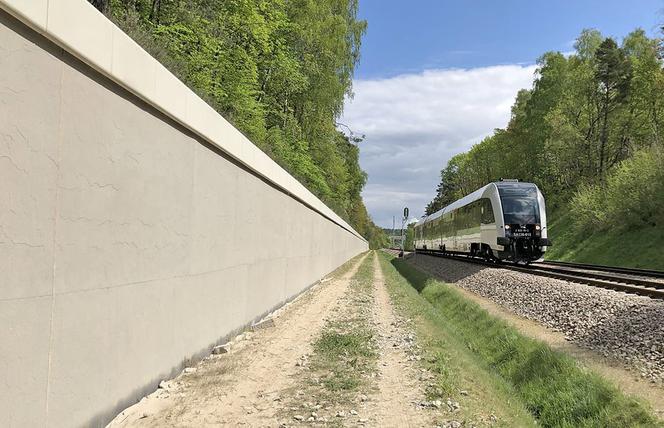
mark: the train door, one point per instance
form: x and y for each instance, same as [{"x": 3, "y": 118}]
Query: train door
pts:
[
  {"x": 453, "y": 238},
  {"x": 489, "y": 231},
  {"x": 439, "y": 232}
]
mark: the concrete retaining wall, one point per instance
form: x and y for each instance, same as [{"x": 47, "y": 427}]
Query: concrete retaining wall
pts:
[{"x": 134, "y": 233}]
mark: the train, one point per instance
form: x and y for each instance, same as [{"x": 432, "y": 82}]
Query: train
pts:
[{"x": 502, "y": 221}]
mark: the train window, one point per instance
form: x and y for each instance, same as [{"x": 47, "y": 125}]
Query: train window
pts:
[
  {"x": 520, "y": 204},
  {"x": 487, "y": 212}
]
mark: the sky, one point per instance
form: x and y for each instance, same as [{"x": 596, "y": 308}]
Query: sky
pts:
[{"x": 437, "y": 76}]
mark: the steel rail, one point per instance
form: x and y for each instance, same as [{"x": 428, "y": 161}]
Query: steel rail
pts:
[
  {"x": 616, "y": 269},
  {"x": 603, "y": 275},
  {"x": 625, "y": 284}
]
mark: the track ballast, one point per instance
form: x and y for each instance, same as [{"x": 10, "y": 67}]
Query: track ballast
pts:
[{"x": 643, "y": 282}]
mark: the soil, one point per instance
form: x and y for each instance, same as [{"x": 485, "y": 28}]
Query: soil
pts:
[{"x": 399, "y": 392}]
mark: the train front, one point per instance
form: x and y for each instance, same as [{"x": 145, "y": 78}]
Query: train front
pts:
[{"x": 524, "y": 222}]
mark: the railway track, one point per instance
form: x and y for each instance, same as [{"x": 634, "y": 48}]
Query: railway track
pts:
[
  {"x": 635, "y": 281},
  {"x": 629, "y": 271}
]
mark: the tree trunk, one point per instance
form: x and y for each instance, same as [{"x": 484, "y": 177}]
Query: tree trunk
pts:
[
  {"x": 603, "y": 137},
  {"x": 155, "y": 11}
]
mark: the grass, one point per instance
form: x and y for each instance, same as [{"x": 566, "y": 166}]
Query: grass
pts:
[
  {"x": 553, "y": 388},
  {"x": 490, "y": 400},
  {"x": 641, "y": 248},
  {"x": 344, "y": 355},
  {"x": 346, "y": 267},
  {"x": 345, "y": 351}
]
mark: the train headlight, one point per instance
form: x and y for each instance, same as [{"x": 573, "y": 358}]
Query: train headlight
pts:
[
  {"x": 507, "y": 227},
  {"x": 537, "y": 227}
]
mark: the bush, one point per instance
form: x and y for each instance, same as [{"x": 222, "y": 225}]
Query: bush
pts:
[
  {"x": 588, "y": 208},
  {"x": 632, "y": 196}
]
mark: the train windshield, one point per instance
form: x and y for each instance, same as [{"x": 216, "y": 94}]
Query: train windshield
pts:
[{"x": 519, "y": 203}]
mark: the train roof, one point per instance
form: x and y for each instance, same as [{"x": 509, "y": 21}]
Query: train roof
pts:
[{"x": 477, "y": 194}]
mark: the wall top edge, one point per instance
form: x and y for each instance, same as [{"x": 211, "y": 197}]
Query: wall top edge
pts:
[{"x": 84, "y": 32}]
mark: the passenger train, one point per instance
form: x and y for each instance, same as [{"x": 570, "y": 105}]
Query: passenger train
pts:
[{"x": 505, "y": 220}]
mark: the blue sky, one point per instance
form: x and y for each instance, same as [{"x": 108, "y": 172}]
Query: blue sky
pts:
[
  {"x": 406, "y": 37},
  {"x": 435, "y": 77}
]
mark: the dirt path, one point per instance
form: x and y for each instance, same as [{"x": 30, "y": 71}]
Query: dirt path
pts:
[
  {"x": 398, "y": 388},
  {"x": 244, "y": 387},
  {"x": 275, "y": 377}
]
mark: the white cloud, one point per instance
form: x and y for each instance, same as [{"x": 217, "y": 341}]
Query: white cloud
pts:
[{"x": 415, "y": 122}]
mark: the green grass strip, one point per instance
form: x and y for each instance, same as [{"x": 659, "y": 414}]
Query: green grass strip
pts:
[
  {"x": 344, "y": 354},
  {"x": 639, "y": 248},
  {"x": 556, "y": 390}
]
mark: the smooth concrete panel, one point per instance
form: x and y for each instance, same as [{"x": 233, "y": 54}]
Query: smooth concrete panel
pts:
[
  {"x": 229, "y": 304},
  {"x": 300, "y": 229},
  {"x": 210, "y": 307},
  {"x": 266, "y": 284},
  {"x": 140, "y": 311},
  {"x": 32, "y": 11},
  {"x": 214, "y": 244},
  {"x": 292, "y": 246},
  {"x": 271, "y": 220},
  {"x": 126, "y": 189},
  {"x": 83, "y": 29},
  {"x": 29, "y": 112},
  {"x": 127, "y": 56},
  {"x": 83, "y": 363},
  {"x": 24, "y": 354},
  {"x": 296, "y": 274},
  {"x": 170, "y": 94},
  {"x": 207, "y": 122},
  {"x": 248, "y": 204}
]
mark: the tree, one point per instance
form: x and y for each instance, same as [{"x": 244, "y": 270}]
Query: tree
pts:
[
  {"x": 646, "y": 104},
  {"x": 449, "y": 188},
  {"x": 587, "y": 43},
  {"x": 585, "y": 114},
  {"x": 613, "y": 73}
]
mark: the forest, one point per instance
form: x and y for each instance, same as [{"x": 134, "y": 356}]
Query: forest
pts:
[
  {"x": 590, "y": 134},
  {"x": 278, "y": 70}
]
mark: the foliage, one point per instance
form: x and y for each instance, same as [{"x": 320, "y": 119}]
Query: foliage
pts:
[
  {"x": 631, "y": 198},
  {"x": 409, "y": 243},
  {"x": 279, "y": 70},
  {"x": 550, "y": 384},
  {"x": 571, "y": 133}
]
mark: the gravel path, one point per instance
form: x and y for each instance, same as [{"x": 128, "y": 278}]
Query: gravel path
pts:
[
  {"x": 625, "y": 327},
  {"x": 399, "y": 392}
]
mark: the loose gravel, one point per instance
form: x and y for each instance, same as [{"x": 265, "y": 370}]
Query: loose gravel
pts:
[{"x": 620, "y": 326}]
